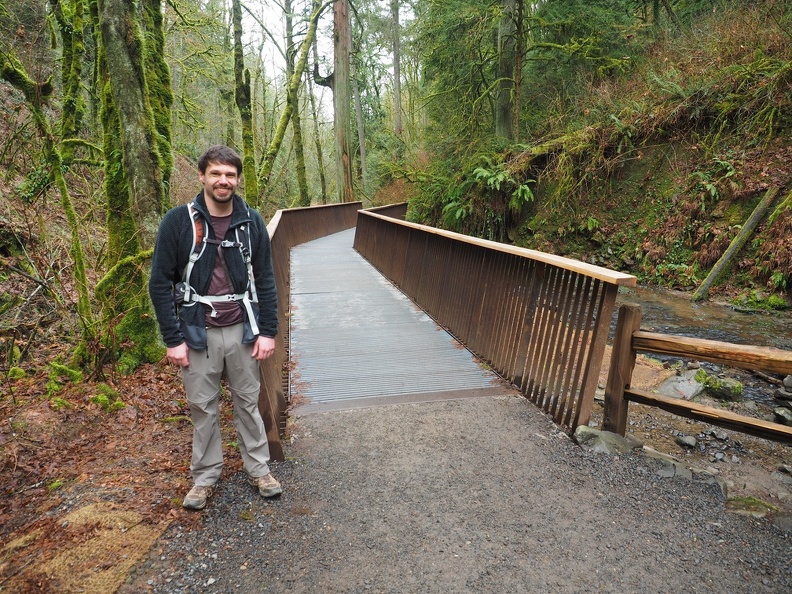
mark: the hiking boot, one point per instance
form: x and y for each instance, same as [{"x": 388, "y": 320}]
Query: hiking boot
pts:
[
  {"x": 196, "y": 498},
  {"x": 267, "y": 485}
]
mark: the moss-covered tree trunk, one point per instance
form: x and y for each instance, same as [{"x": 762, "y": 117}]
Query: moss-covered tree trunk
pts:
[
  {"x": 398, "y": 128},
  {"x": 318, "y": 140},
  {"x": 69, "y": 17},
  {"x": 133, "y": 181},
  {"x": 123, "y": 44},
  {"x": 158, "y": 84},
  {"x": 342, "y": 49},
  {"x": 725, "y": 261},
  {"x": 243, "y": 103},
  {"x": 504, "y": 112},
  {"x": 361, "y": 132},
  {"x": 304, "y": 198}
]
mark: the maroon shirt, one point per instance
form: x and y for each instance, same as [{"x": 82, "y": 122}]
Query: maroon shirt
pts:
[{"x": 228, "y": 313}]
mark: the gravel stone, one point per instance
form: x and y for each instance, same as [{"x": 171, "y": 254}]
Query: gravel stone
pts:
[{"x": 475, "y": 495}]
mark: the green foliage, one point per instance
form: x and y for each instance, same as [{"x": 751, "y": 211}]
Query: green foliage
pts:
[
  {"x": 708, "y": 184},
  {"x": 485, "y": 199},
  {"x": 34, "y": 185}
]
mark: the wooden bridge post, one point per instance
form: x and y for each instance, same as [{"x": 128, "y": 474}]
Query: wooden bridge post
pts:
[{"x": 621, "y": 369}]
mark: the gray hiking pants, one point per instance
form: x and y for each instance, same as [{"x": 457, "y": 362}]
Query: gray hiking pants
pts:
[{"x": 225, "y": 353}]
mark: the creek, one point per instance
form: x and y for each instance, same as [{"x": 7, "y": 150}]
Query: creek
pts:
[{"x": 673, "y": 312}]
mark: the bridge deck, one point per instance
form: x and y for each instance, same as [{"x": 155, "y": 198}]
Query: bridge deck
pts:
[{"x": 356, "y": 340}]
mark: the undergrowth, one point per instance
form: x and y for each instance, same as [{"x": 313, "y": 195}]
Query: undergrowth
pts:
[{"x": 652, "y": 172}]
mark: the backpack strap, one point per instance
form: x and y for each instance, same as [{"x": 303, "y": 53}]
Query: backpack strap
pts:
[
  {"x": 199, "y": 234},
  {"x": 200, "y": 239}
]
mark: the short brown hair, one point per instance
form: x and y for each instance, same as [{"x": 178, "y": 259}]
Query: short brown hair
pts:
[{"x": 220, "y": 153}]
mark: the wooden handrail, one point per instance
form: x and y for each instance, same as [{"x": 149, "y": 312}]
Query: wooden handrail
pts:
[
  {"x": 629, "y": 340},
  {"x": 714, "y": 416},
  {"x": 767, "y": 359}
]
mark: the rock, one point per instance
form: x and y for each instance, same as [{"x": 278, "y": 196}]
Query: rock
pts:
[
  {"x": 710, "y": 476},
  {"x": 750, "y": 506},
  {"x": 686, "y": 440},
  {"x": 783, "y": 415},
  {"x": 783, "y": 522},
  {"x": 634, "y": 442},
  {"x": 670, "y": 469},
  {"x": 784, "y": 396},
  {"x": 694, "y": 365},
  {"x": 603, "y": 442},
  {"x": 782, "y": 478},
  {"x": 652, "y": 453},
  {"x": 725, "y": 388},
  {"x": 682, "y": 386},
  {"x": 788, "y": 383}
]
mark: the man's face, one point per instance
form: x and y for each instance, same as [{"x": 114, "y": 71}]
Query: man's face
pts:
[{"x": 219, "y": 182}]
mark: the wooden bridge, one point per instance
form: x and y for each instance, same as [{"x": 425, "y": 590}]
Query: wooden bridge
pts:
[{"x": 375, "y": 309}]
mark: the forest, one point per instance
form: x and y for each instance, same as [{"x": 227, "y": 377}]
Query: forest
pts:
[
  {"x": 647, "y": 136},
  {"x": 641, "y": 135}
]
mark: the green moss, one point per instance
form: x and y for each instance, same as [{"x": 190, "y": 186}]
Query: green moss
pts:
[
  {"x": 761, "y": 301},
  {"x": 750, "y": 505},
  {"x": 58, "y": 403},
  {"x": 55, "y": 485},
  {"x": 15, "y": 373},
  {"x": 108, "y": 398}
]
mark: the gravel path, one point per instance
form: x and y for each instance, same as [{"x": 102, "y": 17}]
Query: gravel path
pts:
[{"x": 476, "y": 495}]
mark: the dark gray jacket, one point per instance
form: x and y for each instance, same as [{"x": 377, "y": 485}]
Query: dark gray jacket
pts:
[{"x": 171, "y": 252}]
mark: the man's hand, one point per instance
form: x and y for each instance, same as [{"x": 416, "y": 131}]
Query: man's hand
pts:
[
  {"x": 263, "y": 347},
  {"x": 179, "y": 355}
]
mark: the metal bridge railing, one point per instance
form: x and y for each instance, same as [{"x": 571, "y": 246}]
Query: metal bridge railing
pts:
[
  {"x": 540, "y": 321},
  {"x": 286, "y": 229}
]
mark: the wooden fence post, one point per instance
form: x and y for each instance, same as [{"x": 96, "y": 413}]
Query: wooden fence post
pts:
[{"x": 621, "y": 369}]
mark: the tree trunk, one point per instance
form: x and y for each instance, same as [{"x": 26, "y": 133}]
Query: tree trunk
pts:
[
  {"x": 397, "y": 119},
  {"x": 723, "y": 264},
  {"x": 158, "y": 86},
  {"x": 133, "y": 181},
  {"x": 294, "y": 98},
  {"x": 342, "y": 47},
  {"x": 518, "y": 68},
  {"x": 360, "y": 129},
  {"x": 123, "y": 45},
  {"x": 243, "y": 103},
  {"x": 317, "y": 138},
  {"x": 71, "y": 28},
  {"x": 504, "y": 108},
  {"x": 277, "y": 140}
]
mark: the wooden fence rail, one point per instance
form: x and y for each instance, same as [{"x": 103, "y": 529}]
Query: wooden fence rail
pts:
[
  {"x": 540, "y": 321},
  {"x": 286, "y": 229},
  {"x": 629, "y": 340}
]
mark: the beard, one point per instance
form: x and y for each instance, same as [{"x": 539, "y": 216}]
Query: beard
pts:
[{"x": 223, "y": 199}]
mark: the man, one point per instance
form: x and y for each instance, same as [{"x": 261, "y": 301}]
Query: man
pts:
[{"x": 218, "y": 315}]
